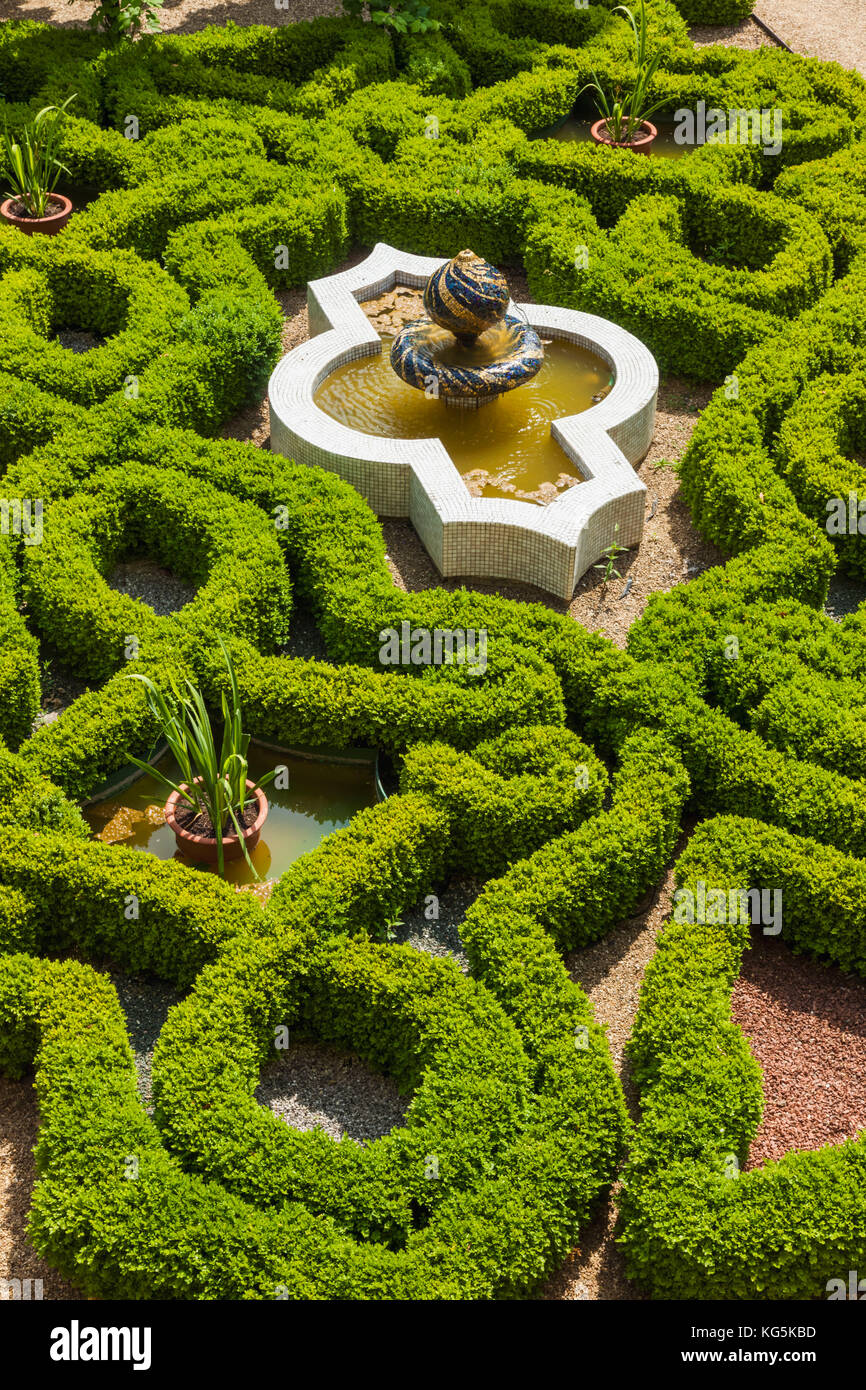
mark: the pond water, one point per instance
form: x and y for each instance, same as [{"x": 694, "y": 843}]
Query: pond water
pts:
[
  {"x": 322, "y": 795},
  {"x": 578, "y": 128},
  {"x": 503, "y": 449}
]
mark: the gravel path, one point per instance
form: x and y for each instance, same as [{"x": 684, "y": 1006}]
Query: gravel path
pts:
[
  {"x": 146, "y": 1001},
  {"x": 60, "y": 688},
  {"x": 844, "y": 597},
  {"x": 159, "y": 588},
  {"x": 78, "y": 340},
  {"x": 176, "y": 16},
  {"x": 746, "y": 34},
  {"x": 611, "y": 972},
  {"x": 19, "y": 1125},
  {"x": 806, "y": 1023},
  {"x": 314, "y": 1086},
  {"x": 820, "y": 28},
  {"x": 440, "y": 936}
]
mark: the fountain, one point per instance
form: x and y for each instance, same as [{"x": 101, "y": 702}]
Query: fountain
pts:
[
  {"x": 469, "y": 350},
  {"x": 537, "y": 484}
]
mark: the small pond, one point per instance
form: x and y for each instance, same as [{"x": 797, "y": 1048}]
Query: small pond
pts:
[
  {"x": 322, "y": 795},
  {"x": 577, "y": 127}
]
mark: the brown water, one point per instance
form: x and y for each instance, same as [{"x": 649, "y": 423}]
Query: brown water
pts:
[
  {"x": 321, "y": 797},
  {"x": 664, "y": 145},
  {"x": 503, "y": 449}
]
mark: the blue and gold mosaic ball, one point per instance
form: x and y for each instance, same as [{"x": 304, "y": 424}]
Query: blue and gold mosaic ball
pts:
[
  {"x": 466, "y": 295},
  {"x": 467, "y": 298}
]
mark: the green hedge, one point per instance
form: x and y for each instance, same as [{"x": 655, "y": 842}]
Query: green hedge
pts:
[
  {"x": 511, "y": 794},
  {"x": 713, "y": 11},
  {"x": 134, "y": 305},
  {"x": 226, "y": 549},
  {"x": 692, "y": 1224}
]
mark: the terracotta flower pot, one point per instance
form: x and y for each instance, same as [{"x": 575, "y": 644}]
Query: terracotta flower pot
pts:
[
  {"x": 640, "y": 142},
  {"x": 203, "y": 848},
  {"x": 48, "y": 226}
]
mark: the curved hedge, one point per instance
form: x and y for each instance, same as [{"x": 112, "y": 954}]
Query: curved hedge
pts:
[
  {"x": 694, "y": 1225},
  {"x": 227, "y": 549},
  {"x": 560, "y": 776},
  {"x": 133, "y": 304}
]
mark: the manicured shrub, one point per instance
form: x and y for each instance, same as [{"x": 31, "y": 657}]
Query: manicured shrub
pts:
[
  {"x": 134, "y": 305},
  {"x": 692, "y": 1224},
  {"x": 511, "y": 794},
  {"x": 226, "y": 549}
]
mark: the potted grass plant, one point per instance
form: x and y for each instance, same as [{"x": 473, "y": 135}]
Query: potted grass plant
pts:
[
  {"x": 624, "y": 115},
  {"x": 215, "y": 809},
  {"x": 33, "y": 170}
]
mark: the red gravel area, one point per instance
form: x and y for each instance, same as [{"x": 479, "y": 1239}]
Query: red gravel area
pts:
[
  {"x": 806, "y": 1024},
  {"x": 19, "y": 1124}
]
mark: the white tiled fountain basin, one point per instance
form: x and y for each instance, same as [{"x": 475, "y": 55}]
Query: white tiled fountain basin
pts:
[{"x": 549, "y": 546}]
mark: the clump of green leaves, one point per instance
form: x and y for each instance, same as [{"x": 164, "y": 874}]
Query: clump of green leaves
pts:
[
  {"x": 123, "y": 19},
  {"x": 607, "y": 564},
  {"x": 625, "y": 112},
  {"x": 213, "y": 783},
  {"x": 404, "y": 16}
]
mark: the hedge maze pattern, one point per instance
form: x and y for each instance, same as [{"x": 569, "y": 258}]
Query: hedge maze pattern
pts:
[{"x": 210, "y": 153}]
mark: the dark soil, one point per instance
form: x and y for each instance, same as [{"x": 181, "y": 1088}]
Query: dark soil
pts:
[
  {"x": 19, "y": 209},
  {"x": 200, "y": 824}
]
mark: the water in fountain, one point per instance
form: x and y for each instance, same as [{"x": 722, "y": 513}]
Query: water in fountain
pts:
[
  {"x": 506, "y": 449},
  {"x": 468, "y": 351}
]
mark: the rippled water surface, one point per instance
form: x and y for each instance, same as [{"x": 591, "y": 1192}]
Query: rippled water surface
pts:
[{"x": 503, "y": 449}]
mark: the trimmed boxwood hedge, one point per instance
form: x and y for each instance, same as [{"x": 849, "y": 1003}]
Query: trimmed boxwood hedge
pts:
[
  {"x": 227, "y": 549},
  {"x": 286, "y": 146},
  {"x": 131, "y": 303},
  {"x": 692, "y": 1224}
]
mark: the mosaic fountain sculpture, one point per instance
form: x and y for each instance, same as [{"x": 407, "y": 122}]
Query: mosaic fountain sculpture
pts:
[
  {"x": 466, "y": 301},
  {"x": 549, "y": 546}
]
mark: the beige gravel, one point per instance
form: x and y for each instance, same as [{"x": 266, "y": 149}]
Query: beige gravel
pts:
[
  {"x": 746, "y": 34},
  {"x": 314, "y": 1086},
  {"x": 610, "y": 972},
  {"x": 19, "y": 1124},
  {"x": 177, "y": 16},
  {"x": 820, "y": 28}
]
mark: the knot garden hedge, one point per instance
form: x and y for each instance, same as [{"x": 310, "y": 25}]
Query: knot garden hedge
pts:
[{"x": 239, "y": 160}]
